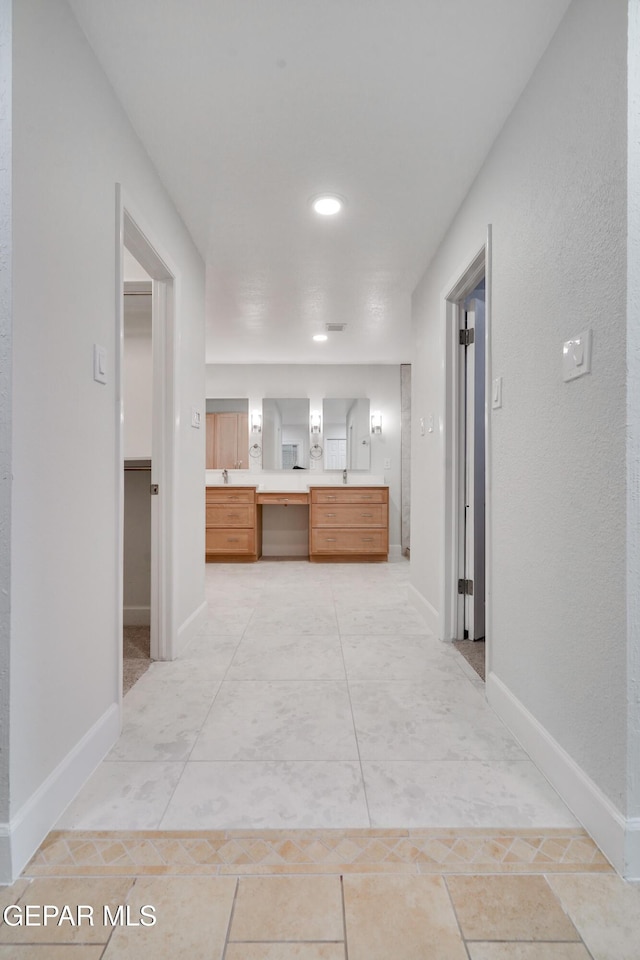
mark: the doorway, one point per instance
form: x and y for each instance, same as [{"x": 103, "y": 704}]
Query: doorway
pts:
[
  {"x": 466, "y": 596},
  {"x": 156, "y": 469}
]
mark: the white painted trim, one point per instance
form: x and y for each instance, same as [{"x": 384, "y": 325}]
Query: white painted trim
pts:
[
  {"x": 140, "y": 241},
  {"x": 600, "y": 817},
  {"x": 395, "y": 549},
  {"x": 136, "y": 616},
  {"x": 463, "y": 284},
  {"x": 423, "y": 607},
  {"x": 191, "y": 627},
  {"x": 632, "y": 860},
  {"x": 22, "y": 837}
]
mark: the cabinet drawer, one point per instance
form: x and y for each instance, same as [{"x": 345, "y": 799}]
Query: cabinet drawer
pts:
[
  {"x": 349, "y": 515},
  {"x": 231, "y": 494},
  {"x": 230, "y": 541},
  {"x": 349, "y": 495},
  {"x": 228, "y": 515},
  {"x": 348, "y": 541},
  {"x": 283, "y": 498}
]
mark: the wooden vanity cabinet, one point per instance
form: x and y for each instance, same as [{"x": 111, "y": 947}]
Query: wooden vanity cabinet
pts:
[
  {"x": 232, "y": 530},
  {"x": 349, "y": 523}
]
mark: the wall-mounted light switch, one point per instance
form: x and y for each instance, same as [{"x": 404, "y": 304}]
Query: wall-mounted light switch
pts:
[
  {"x": 576, "y": 356},
  {"x": 387, "y": 464},
  {"x": 422, "y": 427},
  {"x": 99, "y": 363},
  {"x": 195, "y": 418},
  {"x": 496, "y": 393}
]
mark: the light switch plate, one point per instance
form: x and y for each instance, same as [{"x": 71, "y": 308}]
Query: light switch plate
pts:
[
  {"x": 195, "y": 418},
  {"x": 496, "y": 393},
  {"x": 99, "y": 363},
  {"x": 576, "y": 356}
]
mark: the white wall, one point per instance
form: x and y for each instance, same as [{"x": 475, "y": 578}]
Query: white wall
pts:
[
  {"x": 553, "y": 187},
  {"x": 5, "y": 417},
  {"x": 137, "y": 369},
  {"x": 72, "y": 144},
  {"x": 633, "y": 439},
  {"x": 380, "y": 383}
]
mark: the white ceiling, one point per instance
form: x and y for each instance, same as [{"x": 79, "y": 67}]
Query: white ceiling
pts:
[{"x": 250, "y": 107}]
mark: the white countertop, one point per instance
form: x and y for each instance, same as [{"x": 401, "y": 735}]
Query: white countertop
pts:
[{"x": 292, "y": 481}]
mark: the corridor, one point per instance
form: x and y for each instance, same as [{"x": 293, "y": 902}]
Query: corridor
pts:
[{"x": 313, "y": 698}]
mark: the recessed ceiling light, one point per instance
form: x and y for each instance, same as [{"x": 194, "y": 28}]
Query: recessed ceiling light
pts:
[
  {"x": 320, "y": 337},
  {"x": 327, "y": 204}
]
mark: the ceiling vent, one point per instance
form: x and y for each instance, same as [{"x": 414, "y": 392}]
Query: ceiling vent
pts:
[{"x": 335, "y": 327}]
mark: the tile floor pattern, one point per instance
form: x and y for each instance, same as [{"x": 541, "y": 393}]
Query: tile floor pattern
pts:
[
  {"x": 318, "y": 779},
  {"x": 340, "y": 917},
  {"x": 313, "y": 698}
]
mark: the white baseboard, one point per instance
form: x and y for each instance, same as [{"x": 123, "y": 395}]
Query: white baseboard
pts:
[
  {"x": 136, "y": 616},
  {"x": 632, "y": 864},
  {"x": 23, "y": 835},
  {"x": 395, "y": 549},
  {"x": 599, "y": 816},
  {"x": 190, "y": 627},
  {"x": 423, "y": 606}
]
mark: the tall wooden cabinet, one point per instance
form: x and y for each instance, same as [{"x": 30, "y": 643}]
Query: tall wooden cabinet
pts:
[
  {"x": 227, "y": 441},
  {"x": 349, "y": 523}
]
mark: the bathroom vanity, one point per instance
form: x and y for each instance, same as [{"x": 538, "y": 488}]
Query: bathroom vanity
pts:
[{"x": 345, "y": 522}]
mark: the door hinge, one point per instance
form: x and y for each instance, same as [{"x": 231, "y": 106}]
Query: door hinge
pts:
[
  {"x": 154, "y": 489},
  {"x": 467, "y": 337},
  {"x": 466, "y": 587}
]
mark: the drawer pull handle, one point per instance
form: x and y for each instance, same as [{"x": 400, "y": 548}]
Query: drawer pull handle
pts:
[
  {"x": 330, "y": 539},
  {"x": 331, "y": 498},
  {"x": 233, "y": 539},
  {"x": 329, "y": 514},
  {"x": 368, "y": 497},
  {"x": 233, "y": 516},
  {"x": 233, "y": 498},
  {"x": 367, "y": 539},
  {"x": 366, "y": 514}
]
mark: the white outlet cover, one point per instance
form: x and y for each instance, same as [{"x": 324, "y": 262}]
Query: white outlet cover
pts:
[{"x": 576, "y": 356}]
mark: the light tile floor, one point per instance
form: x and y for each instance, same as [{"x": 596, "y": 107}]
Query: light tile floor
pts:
[
  {"x": 313, "y": 697},
  {"x": 350, "y": 917},
  {"x": 331, "y": 785}
]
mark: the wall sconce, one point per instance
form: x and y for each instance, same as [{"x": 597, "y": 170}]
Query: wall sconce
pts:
[
  {"x": 316, "y": 422},
  {"x": 376, "y": 422},
  {"x": 256, "y": 421}
]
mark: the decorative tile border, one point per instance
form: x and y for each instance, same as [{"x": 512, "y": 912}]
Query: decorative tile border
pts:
[{"x": 80, "y": 853}]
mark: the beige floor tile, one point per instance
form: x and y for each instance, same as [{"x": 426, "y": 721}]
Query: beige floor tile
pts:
[
  {"x": 45, "y": 951},
  {"x": 192, "y": 919},
  {"x": 288, "y": 908},
  {"x": 606, "y": 911},
  {"x": 69, "y": 892},
  {"x": 285, "y": 951},
  {"x": 509, "y": 908},
  {"x": 404, "y": 918},
  {"x": 528, "y": 951},
  {"x": 12, "y": 894}
]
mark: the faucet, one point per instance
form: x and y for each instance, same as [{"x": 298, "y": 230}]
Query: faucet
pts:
[
  {"x": 225, "y": 475},
  {"x": 344, "y": 475}
]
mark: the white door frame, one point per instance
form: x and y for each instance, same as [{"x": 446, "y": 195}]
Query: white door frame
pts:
[
  {"x": 130, "y": 234},
  {"x": 464, "y": 284}
]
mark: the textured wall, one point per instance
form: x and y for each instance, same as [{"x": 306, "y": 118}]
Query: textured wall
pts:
[
  {"x": 633, "y": 412},
  {"x": 5, "y": 404},
  {"x": 553, "y": 187},
  {"x": 64, "y": 671}
]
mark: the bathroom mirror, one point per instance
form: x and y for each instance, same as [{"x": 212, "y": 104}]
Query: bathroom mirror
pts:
[
  {"x": 285, "y": 434},
  {"x": 227, "y": 434},
  {"x": 346, "y": 432}
]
